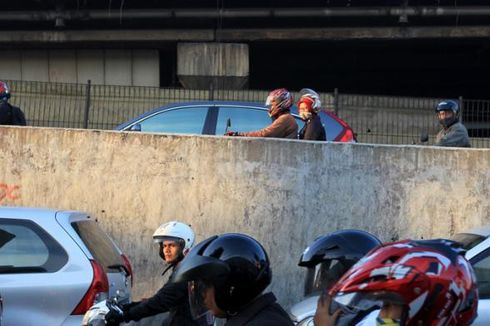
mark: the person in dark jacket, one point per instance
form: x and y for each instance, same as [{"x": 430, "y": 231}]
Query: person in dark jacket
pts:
[
  {"x": 175, "y": 240},
  {"x": 308, "y": 107},
  {"x": 9, "y": 114},
  {"x": 453, "y": 132},
  {"x": 227, "y": 276},
  {"x": 283, "y": 123}
]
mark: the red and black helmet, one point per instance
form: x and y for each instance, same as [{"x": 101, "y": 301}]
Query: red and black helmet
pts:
[
  {"x": 4, "y": 91},
  {"x": 430, "y": 278},
  {"x": 278, "y": 101}
]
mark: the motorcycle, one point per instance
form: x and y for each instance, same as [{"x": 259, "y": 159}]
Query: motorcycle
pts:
[{"x": 95, "y": 316}]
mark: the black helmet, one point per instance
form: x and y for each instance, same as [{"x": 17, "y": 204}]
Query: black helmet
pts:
[
  {"x": 331, "y": 255},
  {"x": 448, "y": 105},
  {"x": 4, "y": 91},
  {"x": 235, "y": 264}
]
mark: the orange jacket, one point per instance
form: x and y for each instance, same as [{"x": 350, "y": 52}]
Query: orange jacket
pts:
[{"x": 284, "y": 126}]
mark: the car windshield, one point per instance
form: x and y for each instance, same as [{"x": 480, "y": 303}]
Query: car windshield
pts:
[
  {"x": 99, "y": 244},
  {"x": 468, "y": 240}
]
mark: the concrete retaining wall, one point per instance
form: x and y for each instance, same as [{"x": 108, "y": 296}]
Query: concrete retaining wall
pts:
[{"x": 283, "y": 192}]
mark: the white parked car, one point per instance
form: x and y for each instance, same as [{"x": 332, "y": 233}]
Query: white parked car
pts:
[
  {"x": 477, "y": 242},
  {"x": 54, "y": 265}
]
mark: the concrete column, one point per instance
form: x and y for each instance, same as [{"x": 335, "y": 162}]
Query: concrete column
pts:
[{"x": 225, "y": 65}]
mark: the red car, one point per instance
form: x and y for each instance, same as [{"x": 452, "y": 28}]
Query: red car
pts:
[{"x": 211, "y": 118}]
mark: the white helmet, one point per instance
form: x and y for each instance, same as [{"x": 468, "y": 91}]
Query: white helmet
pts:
[
  {"x": 314, "y": 97},
  {"x": 175, "y": 231}
]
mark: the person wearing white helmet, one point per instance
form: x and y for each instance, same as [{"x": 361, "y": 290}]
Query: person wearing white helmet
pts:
[
  {"x": 309, "y": 105},
  {"x": 175, "y": 239}
]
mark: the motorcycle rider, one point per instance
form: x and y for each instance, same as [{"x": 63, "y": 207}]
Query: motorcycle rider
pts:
[
  {"x": 453, "y": 132},
  {"x": 309, "y": 105},
  {"x": 9, "y": 114},
  {"x": 326, "y": 260},
  {"x": 415, "y": 282},
  {"x": 175, "y": 240},
  {"x": 283, "y": 123},
  {"x": 227, "y": 275}
]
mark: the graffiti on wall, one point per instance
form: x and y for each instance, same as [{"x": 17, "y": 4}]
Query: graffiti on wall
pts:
[{"x": 9, "y": 192}]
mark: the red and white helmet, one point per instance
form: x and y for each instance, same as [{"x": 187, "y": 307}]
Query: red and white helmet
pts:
[
  {"x": 311, "y": 99},
  {"x": 430, "y": 278},
  {"x": 278, "y": 101},
  {"x": 4, "y": 91}
]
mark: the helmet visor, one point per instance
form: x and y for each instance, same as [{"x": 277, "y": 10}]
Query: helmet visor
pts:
[
  {"x": 161, "y": 238},
  {"x": 199, "y": 310},
  {"x": 359, "y": 302},
  {"x": 269, "y": 100},
  {"x": 324, "y": 275}
]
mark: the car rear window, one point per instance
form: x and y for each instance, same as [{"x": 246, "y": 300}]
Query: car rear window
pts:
[
  {"x": 99, "y": 243},
  {"x": 468, "y": 240},
  {"x": 27, "y": 248},
  {"x": 332, "y": 127}
]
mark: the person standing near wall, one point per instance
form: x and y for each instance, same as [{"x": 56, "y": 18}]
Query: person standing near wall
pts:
[
  {"x": 453, "y": 132},
  {"x": 9, "y": 114},
  {"x": 308, "y": 107},
  {"x": 283, "y": 123}
]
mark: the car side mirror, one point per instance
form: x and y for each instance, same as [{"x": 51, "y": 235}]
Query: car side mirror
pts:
[{"x": 135, "y": 127}]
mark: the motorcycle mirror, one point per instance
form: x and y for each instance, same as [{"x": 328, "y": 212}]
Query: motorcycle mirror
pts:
[
  {"x": 228, "y": 124},
  {"x": 424, "y": 137}
]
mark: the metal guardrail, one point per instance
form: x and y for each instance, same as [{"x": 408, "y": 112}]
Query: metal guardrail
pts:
[{"x": 375, "y": 119}]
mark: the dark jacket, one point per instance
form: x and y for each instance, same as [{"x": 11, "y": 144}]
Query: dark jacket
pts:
[
  {"x": 313, "y": 129},
  {"x": 263, "y": 311},
  {"x": 11, "y": 115},
  {"x": 284, "y": 126},
  {"x": 455, "y": 135},
  {"x": 172, "y": 297}
]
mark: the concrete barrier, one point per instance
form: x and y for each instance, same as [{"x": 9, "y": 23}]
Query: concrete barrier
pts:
[{"x": 283, "y": 192}]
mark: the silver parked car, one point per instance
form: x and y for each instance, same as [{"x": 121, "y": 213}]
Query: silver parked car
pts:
[{"x": 54, "y": 265}]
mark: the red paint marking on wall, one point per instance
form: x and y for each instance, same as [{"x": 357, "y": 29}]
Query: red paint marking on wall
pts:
[{"x": 10, "y": 192}]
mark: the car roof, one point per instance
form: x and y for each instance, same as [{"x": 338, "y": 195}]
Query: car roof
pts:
[
  {"x": 191, "y": 103},
  {"x": 483, "y": 231},
  {"x": 36, "y": 213}
]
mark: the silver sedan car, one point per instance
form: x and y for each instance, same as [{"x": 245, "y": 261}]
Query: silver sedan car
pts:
[{"x": 54, "y": 265}]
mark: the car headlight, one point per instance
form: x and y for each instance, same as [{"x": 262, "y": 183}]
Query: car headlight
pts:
[{"x": 308, "y": 321}]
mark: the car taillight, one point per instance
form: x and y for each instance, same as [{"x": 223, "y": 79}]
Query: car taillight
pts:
[
  {"x": 348, "y": 136},
  {"x": 127, "y": 263},
  {"x": 97, "y": 290}
]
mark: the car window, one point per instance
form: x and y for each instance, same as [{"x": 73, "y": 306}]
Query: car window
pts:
[
  {"x": 189, "y": 120},
  {"x": 467, "y": 240},
  {"x": 482, "y": 271},
  {"x": 27, "y": 248},
  {"x": 332, "y": 127},
  {"x": 242, "y": 119},
  {"x": 99, "y": 243}
]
